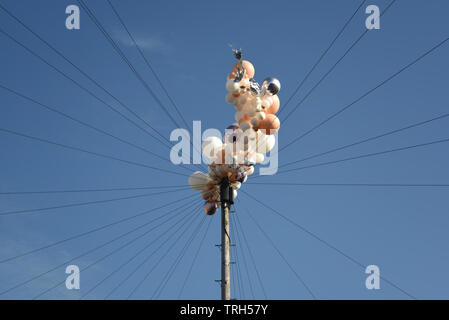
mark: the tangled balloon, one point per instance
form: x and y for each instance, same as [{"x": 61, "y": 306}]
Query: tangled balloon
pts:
[{"x": 246, "y": 141}]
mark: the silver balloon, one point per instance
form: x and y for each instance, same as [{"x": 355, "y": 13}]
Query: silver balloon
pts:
[
  {"x": 255, "y": 87},
  {"x": 272, "y": 85}
]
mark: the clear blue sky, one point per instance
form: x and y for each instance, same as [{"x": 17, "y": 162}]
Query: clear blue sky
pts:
[{"x": 403, "y": 230}]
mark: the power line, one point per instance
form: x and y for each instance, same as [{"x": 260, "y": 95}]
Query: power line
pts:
[
  {"x": 82, "y": 87},
  {"x": 368, "y": 139},
  {"x": 176, "y": 263},
  {"x": 89, "y": 152},
  {"x": 302, "y": 228},
  {"x": 366, "y": 94},
  {"x": 88, "y": 252},
  {"x": 148, "y": 63},
  {"x": 333, "y": 67},
  {"x": 129, "y": 260},
  {"x": 139, "y": 284},
  {"x": 320, "y": 58},
  {"x": 233, "y": 287},
  {"x": 123, "y": 56},
  {"x": 71, "y": 205},
  {"x": 194, "y": 259},
  {"x": 59, "y": 53},
  {"x": 125, "y": 59},
  {"x": 86, "y": 90},
  {"x": 239, "y": 271},
  {"x": 280, "y": 253},
  {"x": 251, "y": 256},
  {"x": 85, "y": 124},
  {"x": 97, "y": 261},
  {"x": 365, "y": 155},
  {"x": 147, "y": 258},
  {"x": 89, "y": 190},
  {"x": 244, "y": 258},
  {"x": 85, "y": 233},
  {"x": 352, "y": 184}
]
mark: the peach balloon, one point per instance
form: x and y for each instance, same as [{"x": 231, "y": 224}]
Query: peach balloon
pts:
[
  {"x": 221, "y": 156},
  {"x": 249, "y": 70},
  {"x": 275, "y": 106},
  {"x": 245, "y": 118},
  {"x": 271, "y": 124}
]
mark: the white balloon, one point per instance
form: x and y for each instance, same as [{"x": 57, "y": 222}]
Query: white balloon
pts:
[
  {"x": 260, "y": 116},
  {"x": 251, "y": 159},
  {"x": 236, "y": 185},
  {"x": 265, "y": 143},
  {"x": 251, "y": 134},
  {"x": 211, "y": 146},
  {"x": 245, "y": 125},
  {"x": 259, "y": 157},
  {"x": 254, "y": 122},
  {"x": 240, "y": 156},
  {"x": 256, "y": 102},
  {"x": 267, "y": 102},
  {"x": 270, "y": 142},
  {"x": 238, "y": 115},
  {"x": 250, "y": 171},
  {"x": 231, "y": 137},
  {"x": 242, "y": 100},
  {"x": 260, "y": 143},
  {"x": 230, "y": 153},
  {"x": 198, "y": 180},
  {"x": 228, "y": 146},
  {"x": 250, "y": 111},
  {"x": 232, "y": 86},
  {"x": 230, "y": 159},
  {"x": 230, "y": 98}
]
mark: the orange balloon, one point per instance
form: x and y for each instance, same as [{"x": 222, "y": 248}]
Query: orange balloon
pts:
[
  {"x": 249, "y": 70},
  {"x": 271, "y": 124},
  {"x": 275, "y": 106}
]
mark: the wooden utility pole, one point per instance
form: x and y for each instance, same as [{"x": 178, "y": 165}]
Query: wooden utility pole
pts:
[{"x": 226, "y": 201}]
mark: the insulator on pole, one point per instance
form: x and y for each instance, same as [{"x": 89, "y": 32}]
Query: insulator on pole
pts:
[{"x": 225, "y": 192}]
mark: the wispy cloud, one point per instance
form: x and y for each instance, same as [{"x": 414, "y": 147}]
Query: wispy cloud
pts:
[
  {"x": 28, "y": 267},
  {"x": 17, "y": 271},
  {"x": 151, "y": 43}
]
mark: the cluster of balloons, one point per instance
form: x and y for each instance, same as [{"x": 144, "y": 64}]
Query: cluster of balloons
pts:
[
  {"x": 255, "y": 106},
  {"x": 246, "y": 141}
]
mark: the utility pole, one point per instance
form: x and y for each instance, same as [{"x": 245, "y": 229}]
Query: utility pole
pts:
[{"x": 226, "y": 198}]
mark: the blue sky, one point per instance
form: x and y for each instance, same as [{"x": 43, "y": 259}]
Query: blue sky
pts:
[{"x": 403, "y": 230}]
